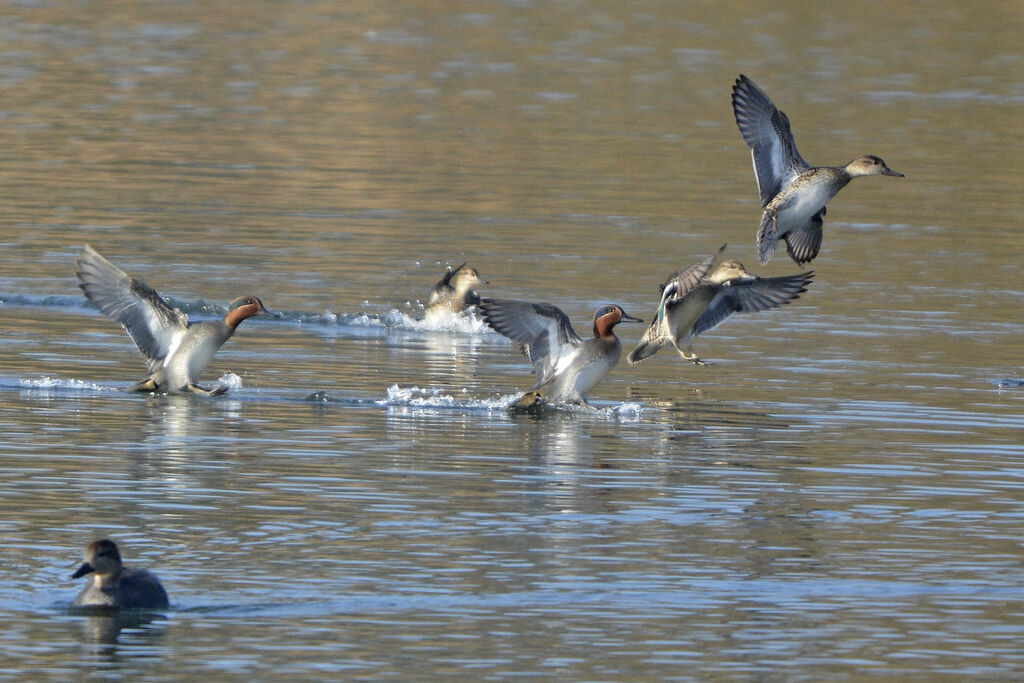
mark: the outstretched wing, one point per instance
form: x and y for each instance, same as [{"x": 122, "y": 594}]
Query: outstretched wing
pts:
[
  {"x": 681, "y": 283},
  {"x": 153, "y": 325},
  {"x": 751, "y": 296},
  {"x": 804, "y": 243},
  {"x": 766, "y": 131},
  {"x": 543, "y": 331},
  {"x": 443, "y": 286}
]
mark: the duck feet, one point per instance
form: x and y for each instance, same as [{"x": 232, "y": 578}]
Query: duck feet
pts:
[
  {"x": 146, "y": 385},
  {"x": 196, "y": 389},
  {"x": 689, "y": 355}
]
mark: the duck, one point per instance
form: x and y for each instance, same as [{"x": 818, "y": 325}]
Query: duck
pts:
[
  {"x": 698, "y": 298},
  {"x": 454, "y": 292},
  {"x": 567, "y": 366},
  {"x": 176, "y": 350},
  {"x": 111, "y": 584},
  {"x": 793, "y": 193}
]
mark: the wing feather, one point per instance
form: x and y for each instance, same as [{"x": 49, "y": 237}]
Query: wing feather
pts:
[
  {"x": 543, "y": 330},
  {"x": 152, "y": 324},
  {"x": 766, "y": 131},
  {"x": 751, "y": 296}
]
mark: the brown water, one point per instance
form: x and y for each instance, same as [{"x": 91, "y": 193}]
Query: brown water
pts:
[{"x": 840, "y": 494}]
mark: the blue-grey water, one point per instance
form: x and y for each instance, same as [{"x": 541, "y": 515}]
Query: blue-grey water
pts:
[{"x": 839, "y": 494}]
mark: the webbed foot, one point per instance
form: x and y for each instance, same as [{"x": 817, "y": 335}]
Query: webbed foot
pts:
[
  {"x": 147, "y": 385},
  {"x": 196, "y": 389},
  {"x": 528, "y": 400},
  {"x": 692, "y": 357}
]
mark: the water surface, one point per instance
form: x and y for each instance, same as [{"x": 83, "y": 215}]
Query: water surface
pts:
[{"x": 839, "y": 494}]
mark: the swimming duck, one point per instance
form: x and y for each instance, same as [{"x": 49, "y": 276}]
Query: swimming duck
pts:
[
  {"x": 793, "y": 193},
  {"x": 567, "y": 366},
  {"x": 177, "y": 351},
  {"x": 111, "y": 584},
  {"x": 454, "y": 292},
  {"x": 697, "y": 299}
]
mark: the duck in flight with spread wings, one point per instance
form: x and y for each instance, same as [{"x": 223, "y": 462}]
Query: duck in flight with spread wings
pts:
[
  {"x": 697, "y": 299},
  {"x": 793, "y": 193}
]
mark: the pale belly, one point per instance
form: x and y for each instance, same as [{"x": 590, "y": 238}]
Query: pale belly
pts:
[
  {"x": 794, "y": 209},
  {"x": 574, "y": 385},
  {"x": 685, "y": 315},
  {"x": 187, "y": 362}
]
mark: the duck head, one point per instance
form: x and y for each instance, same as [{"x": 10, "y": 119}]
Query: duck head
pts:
[
  {"x": 464, "y": 278},
  {"x": 869, "y": 164},
  {"x": 245, "y": 307},
  {"x": 728, "y": 271},
  {"x": 101, "y": 557},
  {"x": 608, "y": 316}
]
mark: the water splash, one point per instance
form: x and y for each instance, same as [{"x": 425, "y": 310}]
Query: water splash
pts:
[
  {"x": 418, "y": 397},
  {"x": 230, "y": 381},
  {"x": 52, "y": 384},
  {"x": 463, "y": 322},
  {"x": 627, "y": 412},
  {"x": 436, "y": 399},
  {"x": 620, "y": 412}
]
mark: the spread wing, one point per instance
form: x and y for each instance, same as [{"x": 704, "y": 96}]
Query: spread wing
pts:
[
  {"x": 543, "y": 331},
  {"x": 152, "y": 324},
  {"x": 751, "y": 295},
  {"x": 804, "y": 243},
  {"x": 681, "y": 283},
  {"x": 444, "y": 286},
  {"x": 766, "y": 131}
]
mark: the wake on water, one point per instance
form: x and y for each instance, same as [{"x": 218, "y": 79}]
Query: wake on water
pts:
[
  {"x": 230, "y": 381},
  {"x": 437, "y": 400},
  {"x": 464, "y": 323},
  {"x": 419, "y": 399}
]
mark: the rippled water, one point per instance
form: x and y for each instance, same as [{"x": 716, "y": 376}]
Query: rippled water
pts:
[{"x": 839, "y": 494}]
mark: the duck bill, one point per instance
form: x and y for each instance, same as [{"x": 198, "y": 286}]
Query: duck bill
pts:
[
  {"x": 889, "y": 171},
  {"x": 270, "y": 314},
  {"x": 627, "y": 318},
  {"x": 86, "y": 568}
]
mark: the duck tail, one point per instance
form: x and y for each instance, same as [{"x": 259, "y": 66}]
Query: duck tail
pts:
[
  {"x": 645, "y": 349},
  {"x": 767, "y": 236}
]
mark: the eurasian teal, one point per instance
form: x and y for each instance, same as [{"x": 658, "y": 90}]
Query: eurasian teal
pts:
[
  {"x": 111, "y": 584},
  {"x": 793, "y": 193},
  {"x": 176, "y": 351},
  {"x": 697, "y": 299},
  {"x": 454, "y": 292},
  {"x": 567, "y": 366}
]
